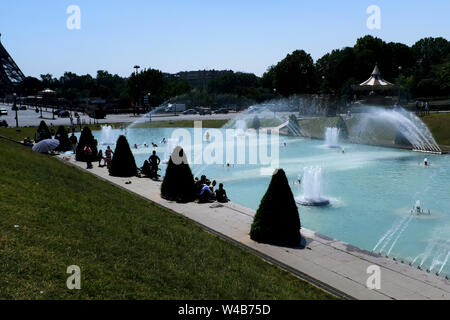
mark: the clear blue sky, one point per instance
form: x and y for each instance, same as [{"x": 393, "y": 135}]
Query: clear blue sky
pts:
[{"x": 178, "y": 35}]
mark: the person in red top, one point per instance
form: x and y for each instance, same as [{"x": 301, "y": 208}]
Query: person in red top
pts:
[
  {"x": 108, "y": 156},
  {"x": 88, "y": 153}
]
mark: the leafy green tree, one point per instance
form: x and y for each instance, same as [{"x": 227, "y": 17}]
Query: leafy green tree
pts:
[
  {"x": 295, "y": 74},
  {"x": 123, "y": 163},
  {"x": 444, "y": 78},
  {"x": 277, "y": 220},
  {"x": 30, "y": 86},
  {"x": 145, "y": 82}
]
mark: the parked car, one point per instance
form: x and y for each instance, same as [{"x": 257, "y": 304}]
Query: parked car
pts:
[
  {"x": 221, "y": 110},
  {"x": 64, "y": 114},
  {"x": 190, "y": 111},
  {"x": 3, "y": 112},
  {"x": 205, "y": 111},
  {"x": 22, "y": 108}
]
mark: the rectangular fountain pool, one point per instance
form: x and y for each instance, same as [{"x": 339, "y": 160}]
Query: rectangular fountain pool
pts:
[{"x": 372, "y": 191}]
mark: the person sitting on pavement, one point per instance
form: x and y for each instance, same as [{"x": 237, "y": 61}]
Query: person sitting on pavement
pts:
[
  {"x": 221, "y": 194},
  {"x": 205, "y": 194},
  {"x": 145, "y": 169},
  {"x": 213, "y": 185},
  {"x": 199, "y": 185}
]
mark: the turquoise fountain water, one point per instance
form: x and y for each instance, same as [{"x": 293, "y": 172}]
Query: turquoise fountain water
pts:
[{"x": 371, "y": 192}]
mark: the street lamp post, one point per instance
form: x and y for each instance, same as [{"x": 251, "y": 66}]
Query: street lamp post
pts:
[
  {"x": 399, "y": 86},
  {"x": 15, "y": 108},
  {"x": 136, "y": 67}
]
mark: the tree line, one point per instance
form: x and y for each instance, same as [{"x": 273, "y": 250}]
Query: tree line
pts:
[{"x": 421, "y": 70}]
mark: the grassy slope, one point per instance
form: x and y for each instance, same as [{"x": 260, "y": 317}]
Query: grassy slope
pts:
[
  {"x": 439, "y": 125},
  {"x": 127, "y": 248},
  {"x": 181, "y": 124},
  {"x": 21, "y": 133}
]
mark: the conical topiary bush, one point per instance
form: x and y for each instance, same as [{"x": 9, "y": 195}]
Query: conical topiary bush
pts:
[
  {"x": 86, "y": 139},
  {"x": 277, "y": 220},
  {"x": 64, "y": 142},
  {"x": 123, "y": 163},
  {"x": 178, "y": 184},
  {"x": 42, "y": 132}
]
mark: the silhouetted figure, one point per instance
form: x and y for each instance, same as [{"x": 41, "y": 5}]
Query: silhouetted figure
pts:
[
  {"x": 221, "y": 194},
  {"x": 154, "y": 161}
]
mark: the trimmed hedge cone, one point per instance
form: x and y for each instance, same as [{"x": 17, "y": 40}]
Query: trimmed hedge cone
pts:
[
  {"x": 178, "y": 184},
  {"x": 42, "y": 132},
  {"x": 277, "y": 220},
  {"x": 123, "y": 163},
  {"x": 64, "y": 142},
  {"x": 86, "y": 139}
]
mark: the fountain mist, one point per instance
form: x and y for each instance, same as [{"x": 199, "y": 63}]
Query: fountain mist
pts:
[{"x": 312, "y": 188}]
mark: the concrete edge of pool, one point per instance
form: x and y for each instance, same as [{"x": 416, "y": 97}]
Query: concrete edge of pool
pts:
[{"x": 335, "y": 266}]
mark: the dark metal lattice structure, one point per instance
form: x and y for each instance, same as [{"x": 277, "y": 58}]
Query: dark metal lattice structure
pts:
[{"x": 10, "y": 74}]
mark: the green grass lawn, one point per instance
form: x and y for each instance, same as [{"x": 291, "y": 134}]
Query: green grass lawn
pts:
[
  {"x": 181, "y": 124},
  {"x": 126, "y": 247},
  {"x": 439, "y": 125},
  {"x": 20, "y": 133}
]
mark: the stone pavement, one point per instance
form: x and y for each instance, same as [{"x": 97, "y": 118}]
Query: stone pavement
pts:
[
  {"x": 330, "y": 264},
  {"x": 29, "y": 118}
]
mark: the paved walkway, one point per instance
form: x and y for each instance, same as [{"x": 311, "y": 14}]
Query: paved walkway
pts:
[
  {"x": 30, "y": 118},
  {"x": 330, "y": 264}
]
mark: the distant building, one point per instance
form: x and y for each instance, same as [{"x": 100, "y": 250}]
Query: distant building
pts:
[
  {"x": 199, "y": 79},
  {"x": 376, "y": 90}
]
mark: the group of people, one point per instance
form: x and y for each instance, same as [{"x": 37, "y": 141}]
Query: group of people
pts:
[
  {"x": 106, "y": 158},
  {"x": 205, "y": 192},
  {"x": 422, "y": 108}
]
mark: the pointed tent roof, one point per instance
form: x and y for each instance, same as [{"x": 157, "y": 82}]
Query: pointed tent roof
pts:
[{"x": 375, "y": 81}]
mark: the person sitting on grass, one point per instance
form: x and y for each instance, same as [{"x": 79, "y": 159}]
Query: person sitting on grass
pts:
[
  {"x": 221, "y": 194},
  {"x": 27, "y": 142}
]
